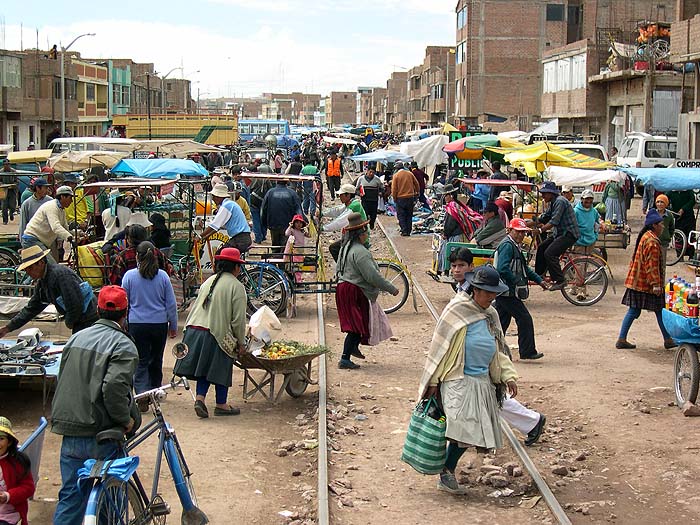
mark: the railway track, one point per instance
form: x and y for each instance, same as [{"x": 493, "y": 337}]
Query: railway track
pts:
[{"x": 547, "y": 494}]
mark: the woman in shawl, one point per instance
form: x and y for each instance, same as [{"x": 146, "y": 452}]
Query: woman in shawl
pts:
[
  {"x": 469, "y": 369},
  {"x": 359, "y": 284},
  {"x": 460, "y": 223}
]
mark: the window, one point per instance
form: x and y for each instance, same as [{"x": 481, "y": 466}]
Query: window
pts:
[
  {"x": 461, "y": 52},
  {"x": 126, "y": 92},
  {"x": 31, "y": 133},
  {"x": 660, "y": 150},
  {"x": 462, "y": 18},
  {"x": 555, "y": 12},
  {"x": 629, "y": 148},
  {"x": 116, "y": 94},
  {"x": 90, "y": 92},
  {"x": 549, "y": 80},
  {"x": 10, "y": 71}
]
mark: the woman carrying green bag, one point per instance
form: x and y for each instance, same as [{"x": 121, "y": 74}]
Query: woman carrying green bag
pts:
[{"x": 469, "y": 369}]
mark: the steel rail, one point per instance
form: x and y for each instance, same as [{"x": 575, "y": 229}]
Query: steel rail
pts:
[
  {"x": 322, "y": 517},
  {"x": 527, "y": 462}
]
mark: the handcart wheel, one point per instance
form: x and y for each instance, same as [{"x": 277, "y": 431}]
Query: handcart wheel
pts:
[
  {"x": 297, "y": 383},
  {"x": 686, "y": 373}
]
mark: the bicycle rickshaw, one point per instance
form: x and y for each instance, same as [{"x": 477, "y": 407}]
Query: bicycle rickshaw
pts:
[
  {"x": 587, "y": 274},
  {"x": 274, "y": 278}
]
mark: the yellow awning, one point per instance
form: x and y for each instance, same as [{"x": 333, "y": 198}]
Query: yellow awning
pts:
[
  {"x": 538, "y": 156},
  {"x": 37, "y": 155},
  {"x": 447, "y": 128}
]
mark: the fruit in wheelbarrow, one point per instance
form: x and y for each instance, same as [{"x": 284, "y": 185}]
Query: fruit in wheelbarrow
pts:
[{"x": 287, "y": 349}]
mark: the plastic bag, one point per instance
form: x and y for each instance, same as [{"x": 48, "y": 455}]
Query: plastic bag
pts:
[
  {"x": 379, "y": 328},
  {"x": 260, "y": 327}
]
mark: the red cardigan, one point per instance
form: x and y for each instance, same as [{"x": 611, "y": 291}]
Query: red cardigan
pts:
[{"x": 20, "y": 490}]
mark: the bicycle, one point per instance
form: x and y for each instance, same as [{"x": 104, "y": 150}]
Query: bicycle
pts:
[{"x": 122, "y": 499}]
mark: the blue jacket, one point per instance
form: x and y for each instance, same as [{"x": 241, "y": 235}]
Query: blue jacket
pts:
[
  {"x": 586, "y": 220},
  {"x": 280, "y": 204}
]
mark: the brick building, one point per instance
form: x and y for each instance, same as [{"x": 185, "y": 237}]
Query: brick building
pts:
[
  {"x": 379, "y": 105},
  {"x": 177, "y": 95},
  {"x": 341, "y": 108},
  {"x": 396, "y": 102},
  {"x": 427, "y": 88},
  {"x": 685, "y": 50}
]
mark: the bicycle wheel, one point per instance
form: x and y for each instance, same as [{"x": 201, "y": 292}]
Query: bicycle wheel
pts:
[
  {"x": 586, "y": 281},
  {"x": 396, "y": 275},
  {"x": 676, "y": 248},
  {"x": 114, "y": 502},
  {"x": 686, "y": 373},
  {"x": 264, "y": 287}
]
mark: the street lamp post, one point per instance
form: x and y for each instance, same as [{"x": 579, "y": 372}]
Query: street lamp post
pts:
[
  {"x": 447, "y": 85},
  {"x": 198, "y": 94},
  {"x": 148, "y": 102},
  {"x": 63, "y": 81}
]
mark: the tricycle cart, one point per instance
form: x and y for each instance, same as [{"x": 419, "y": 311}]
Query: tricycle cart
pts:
[
  {"x": 686, "y": 366},
  {"x": 296, "y": 371}
]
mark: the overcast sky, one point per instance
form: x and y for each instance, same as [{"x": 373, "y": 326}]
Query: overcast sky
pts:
[{"x": 243, "y": 47}]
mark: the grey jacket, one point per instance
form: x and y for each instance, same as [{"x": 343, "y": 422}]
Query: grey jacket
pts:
[
  {"x": 95, "y": 381},
  {"x": 356, "y": 266}
]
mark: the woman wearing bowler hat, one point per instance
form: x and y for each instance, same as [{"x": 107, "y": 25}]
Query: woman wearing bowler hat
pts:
[
  {"x": 359, "y": 284},
  {"x": 217, "y": 315},
  {"x": 469, "y": 369}
]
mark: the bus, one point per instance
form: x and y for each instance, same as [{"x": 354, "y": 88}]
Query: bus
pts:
[
  {"x": 60, "y": 145},
  {"x": 250, "y": 129}
]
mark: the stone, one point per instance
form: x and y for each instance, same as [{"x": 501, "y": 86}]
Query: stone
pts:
[
  {"x": 498, "y": 481},
  {"x": 393, "y": 338},
  {"x": 690, "y": 410},
  {"x": 296, "y": 473},
  {"x": 281, "y": 452},
  {"x": 347, "y": 502},
  {"x": 517, "y": 472},
  {"x": 288, "y": 445},
  {"x": 490, "y": 468},
  {"x": 581, "y": 457},
  {"x": 560, "y": 470},
  {"x": 361, "y": 417},
  {"x": 560, "y": 483},
  {"x": 645, "y": 410}
]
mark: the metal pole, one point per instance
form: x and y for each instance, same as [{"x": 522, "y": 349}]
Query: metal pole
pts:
[
  {"x": 447, "y": 88},
  {"x": 148, "y": 102},
  {"x": 63, "y": 93},
  {"x": 197, "y": 101}
]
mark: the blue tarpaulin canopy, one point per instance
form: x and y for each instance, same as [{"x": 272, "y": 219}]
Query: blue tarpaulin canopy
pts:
[
  {"x": 159, "y": 168},
  {"x": 666, "y": 179},
  {"x": 381, "y": 155}
]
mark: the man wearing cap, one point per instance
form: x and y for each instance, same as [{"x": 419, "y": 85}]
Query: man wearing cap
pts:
[
  {"x": 39, "y": 196},
  {"x": 93, "y": 393},
  {"x": 236, "y": 193},
  {"x": 404, "y": 190},
  {"x": 8, "y": 176},
  {"x": 568, "y": 194},
  {"x": 334, "y": 173},
  {"x": 48, "y": 224},
  {"x": 54, "y": 284},
  {"x": 229, "y": 217},
  {"x": 514, "y": 271},
  {"x": 559, "y": 218},
  {"x": 588, "y": 220},
  {"x": 77, "y": 212},
  {"x": 278, "y": 208},
  {"x": 370, "y": 187}
]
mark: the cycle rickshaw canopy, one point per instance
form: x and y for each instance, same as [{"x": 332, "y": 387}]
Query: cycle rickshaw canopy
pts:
[
  {"x": 666, "y": 179},
  {"x": 159, "y": 168}
]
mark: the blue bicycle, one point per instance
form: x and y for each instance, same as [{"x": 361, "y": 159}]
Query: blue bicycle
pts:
[{"x": 118, "y": 497}]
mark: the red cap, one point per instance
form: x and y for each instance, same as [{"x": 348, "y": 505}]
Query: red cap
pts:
[
  {"x": 518, "y": 224},
  {"x": 112, "y": 298},
  {"x": 229, "y": 254}
]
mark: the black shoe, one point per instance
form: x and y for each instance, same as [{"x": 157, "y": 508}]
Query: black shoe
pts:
[
  {"x": 357, "y": 353},
  {"x": 538, "y": 355},
  {"x": 230, "y": 411},
  {"x": 557, "y": 286},
  {"x": 201, "y": 409},
  {"x": 624, "y": 344},
  {"x": 347, "y": 365},
  {"x": 534, "y": 434}
]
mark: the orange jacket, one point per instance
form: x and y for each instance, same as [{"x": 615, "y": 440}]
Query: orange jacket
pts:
[{"x": 333, "y": 167}]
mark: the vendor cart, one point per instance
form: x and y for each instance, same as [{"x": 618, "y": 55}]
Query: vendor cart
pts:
[
  {"x": 686, "y": 366},
  {"x": 296, "y": 372}
]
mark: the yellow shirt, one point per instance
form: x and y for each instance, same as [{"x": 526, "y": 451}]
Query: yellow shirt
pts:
[
  {"x": 244, "y": 206},
  {"x": 78, "y": 210}
]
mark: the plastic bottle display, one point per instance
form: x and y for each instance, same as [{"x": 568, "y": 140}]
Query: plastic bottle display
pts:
[{"x": 682, "y": 297}]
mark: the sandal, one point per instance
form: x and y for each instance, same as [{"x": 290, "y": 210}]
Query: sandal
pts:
[
  {"x": 201, "y": 409},
  {"x": 230, "y": 411}
]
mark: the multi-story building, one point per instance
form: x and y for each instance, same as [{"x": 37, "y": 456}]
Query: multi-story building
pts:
[
  {"x": 685, "y": 50},
  {"x": 379, "y": 105},
  {"x": 34, "y": 112},
  {"x": 177, "y": 95},
  {"x": 364, "y": 105},
  {"x": 320, "y": 113},
  {"x": 396, "y": 102},
  {"x": 119, "y": 88},
  {"x": 427, "y": 88},
  {"x": 498, "y": 47},
  {"x": 341, "y": 108},
  {"x": 12, "y": 129},
  {"x": 278, "y": 109},
  {"x": 93, "y": 98},
  {"x": 303, "y": 106},
  {"x": 599, "y": 83}
]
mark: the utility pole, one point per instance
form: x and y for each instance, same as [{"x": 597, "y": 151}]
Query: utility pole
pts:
[{"x": 148, "y": 102}]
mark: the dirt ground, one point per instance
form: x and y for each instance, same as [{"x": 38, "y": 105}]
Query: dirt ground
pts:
[{"x": 611, "y": 422}]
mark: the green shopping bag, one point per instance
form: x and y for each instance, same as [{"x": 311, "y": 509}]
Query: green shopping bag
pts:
[{"x": 425, "y": 448}]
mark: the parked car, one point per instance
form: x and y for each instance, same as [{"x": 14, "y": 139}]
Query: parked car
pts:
[
  {"x": 592, "y": 150},
  {"x": 642, "y": 150}
]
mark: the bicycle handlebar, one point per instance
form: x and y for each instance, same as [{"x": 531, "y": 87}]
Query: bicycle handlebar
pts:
[{"x": 158, "y": 394}]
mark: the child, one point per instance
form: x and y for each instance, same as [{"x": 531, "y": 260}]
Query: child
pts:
[
  {"x": 16, "y": 482},
  {"x": 461, "y": 263},
  {"x": 295, "y": 239}
]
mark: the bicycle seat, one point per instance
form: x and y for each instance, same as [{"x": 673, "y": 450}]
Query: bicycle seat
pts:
[{"x": 111, "y": 434}]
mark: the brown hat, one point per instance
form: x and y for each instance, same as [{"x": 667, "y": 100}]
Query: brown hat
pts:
[{"x": 355, "y": 222}]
